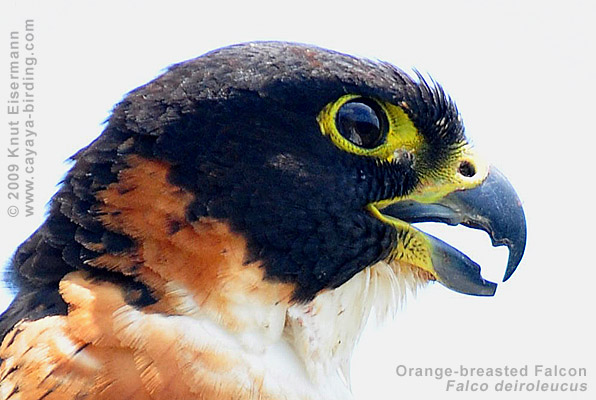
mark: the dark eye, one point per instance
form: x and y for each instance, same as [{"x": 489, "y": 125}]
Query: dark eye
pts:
[{"x": 362, "y": 122}]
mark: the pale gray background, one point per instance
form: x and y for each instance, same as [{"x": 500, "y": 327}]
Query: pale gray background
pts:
[{"x": 522, "y": 74}]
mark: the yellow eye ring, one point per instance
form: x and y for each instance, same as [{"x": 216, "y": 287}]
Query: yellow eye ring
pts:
[{"x": 359, "y": 133}]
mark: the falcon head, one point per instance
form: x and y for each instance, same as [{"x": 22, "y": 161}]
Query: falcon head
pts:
[
  {"x": 270, "y": 189},
  {"x": 322, "y": 161}
]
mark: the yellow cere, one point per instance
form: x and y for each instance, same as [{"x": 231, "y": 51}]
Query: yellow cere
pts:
[
  {"x": 402, "y": 133},
  {"x": 438, "y": 184},
  {"x": 449, "y": 179}
]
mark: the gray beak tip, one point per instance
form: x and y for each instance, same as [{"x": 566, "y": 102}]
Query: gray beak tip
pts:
[{"x": 515, "y": 256}]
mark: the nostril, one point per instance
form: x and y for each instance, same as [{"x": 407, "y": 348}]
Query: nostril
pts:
[{"x": 467, "y": 169}]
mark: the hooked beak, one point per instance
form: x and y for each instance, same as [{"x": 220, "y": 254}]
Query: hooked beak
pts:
[{"x": 493, "y": 206}]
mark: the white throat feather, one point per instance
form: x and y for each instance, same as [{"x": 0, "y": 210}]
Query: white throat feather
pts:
[{"x": 324, "y": 331}]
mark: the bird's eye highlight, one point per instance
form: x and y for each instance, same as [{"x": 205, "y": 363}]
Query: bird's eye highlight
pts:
[{"x": 363, "y": 122}]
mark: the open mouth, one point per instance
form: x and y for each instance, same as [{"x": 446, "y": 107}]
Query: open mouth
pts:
[{"x": 493, "y": 207}]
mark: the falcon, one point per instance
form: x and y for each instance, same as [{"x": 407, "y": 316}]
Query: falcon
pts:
[{"x": 239, "y": 218}]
